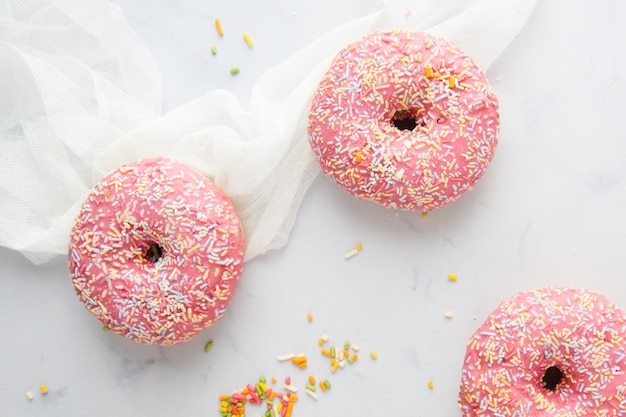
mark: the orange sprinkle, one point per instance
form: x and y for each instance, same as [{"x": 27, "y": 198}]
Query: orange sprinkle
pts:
[
  {"x": 273, "y": 380},
  {"x": 355, "y": 357},
  {"x": 311, "y": 379},
  {"x": 424, "y": 214},
  {"x": 358, "y": 158},
  {"x": 325, "y": 352},
  {"x": 272, "y": 395},
  {"x": 452, "y": 82},
  {"x": 218, "y": 26},
  {"x": 224, "y": 397},
  {"x": 309, "y": 317},
  {"x": 302, "y": 365},
  {"x": 429, "y": 72},
  {"x": 322, "y": 386}
]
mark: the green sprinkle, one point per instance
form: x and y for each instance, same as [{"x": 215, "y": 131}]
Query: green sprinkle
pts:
[
  {"x": 262, "y": 379},
  {"x": 213, "y": 50},
  {"x": 349, "y": 359},
  {"x": 208, "y": 346},
  {"x": 332, "y": 351},
  {"x": 346, "y": 345},
  {"x": 234, "y": 70},
  {"x": 310, "y": 387},
  {"x": 106, "y": 328},
  {"x": 327, "y": 384}
]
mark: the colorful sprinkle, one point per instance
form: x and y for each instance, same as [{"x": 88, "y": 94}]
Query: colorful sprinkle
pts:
[
  {"x": 208, "y": 346},
  {"x": 309, "y": 317},
  {"x": 43, "y": 389},
  {"x": 374, "y": 355},
  {"x": 234, "y": 71},
  {"x": 218, "y": 26},
  {"x": 452, "y": 277},
  {"x": 430, "y": 384},
  {"x": 248, "y": 40},
  {"x": 213, "y": 50}
]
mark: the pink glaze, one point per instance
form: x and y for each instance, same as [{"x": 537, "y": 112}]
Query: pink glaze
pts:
[
  {"x": 115, "y": 264},
  {"x": 399, "y": 75},
  {"x": 577, "y": 331}
]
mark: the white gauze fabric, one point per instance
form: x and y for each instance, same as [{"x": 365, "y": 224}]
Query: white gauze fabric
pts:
[{"x": 66, "y": 119}]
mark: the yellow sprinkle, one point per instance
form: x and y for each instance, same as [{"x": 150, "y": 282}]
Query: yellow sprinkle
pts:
[
  {"x": 43, "y": 389},
  {"x": 358, "y": 247},
  {"x": 424, "y": 214},
  {"x": 430, "y": 384},
  {"x": 374, "y": 355},
  {"x": 248, "y": 40},
  {"x": 452, "y": 82},
  {"x": 452, "y": 277},
  {"x": 358, "y": 158},
  {"x": 309, "y": 317},
  {"x": 218, "y": 26},
  {"x": 428, "y": 72}
]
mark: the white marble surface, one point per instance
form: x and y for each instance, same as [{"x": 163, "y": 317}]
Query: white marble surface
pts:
[{"x": 550, "y": 211}]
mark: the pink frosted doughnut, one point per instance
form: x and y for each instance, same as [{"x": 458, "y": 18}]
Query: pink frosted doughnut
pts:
[
  {"x": 156, "y": 252},
  {"x": 548, "y": 352},
  {"x": 404, "y": 119}
]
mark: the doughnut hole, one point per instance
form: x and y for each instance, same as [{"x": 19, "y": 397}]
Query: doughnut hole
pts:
[
  {"x": 153, "y": 253},
  {"x": 407, "y": 119},
  {"x": 552, "y": 377}
]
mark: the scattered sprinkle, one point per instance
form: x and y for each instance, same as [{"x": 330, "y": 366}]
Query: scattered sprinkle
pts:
[
  {"x": 213, "y": 50},
  {"x": 276, "y": 403},
  {"x": 358, "y": 158},
  {"x": 424, "y": 214},
  {"x": 106, "y": 328},
  {"x": 311, "y": 379},
  {"x": 248, "y": 40},
  {"x": 208, "y": 346},
  {"x": 29, "y": 395},
  {"x": 218, "y": 26},
  {"x": 428, "y": 72},
  {"x": 273, "y": 380},
  {"x": 452, "y": 277},
  {"x": 309, "y": 317},
  {"x": 430, "y": 384},
  {"x": 290, "y": 388},
  {"x": 448, "y": 314},
  {"x": 286, "y": 357},
  {"x": 354, "y": 251},
  {"x": 234, "y": 70},
  {"x": 43, "y": 389},
  {"x": 374, "y": 355},
  {"x": 355, "y": 347},
  {"x": 452, "y": 82},
  {"x": 311, "y": 394}
]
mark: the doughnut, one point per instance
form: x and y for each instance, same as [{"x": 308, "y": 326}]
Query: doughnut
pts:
[
  {"x": 547, "y": 352},
  {"x": 404, "y": 119},
  {"x": 156, "y": 252}
]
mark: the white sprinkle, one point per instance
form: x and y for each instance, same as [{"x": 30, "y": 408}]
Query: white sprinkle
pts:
[
  {"x": 448, "y": 314},
  {"x": 324, "y": 338},
  {"x": 355, "y": 347},
  {"x": 29, "y": 395},
  {"x": 286, "y": 357},
  {"x": 350, "y": 254},
  {"x": 290, "y": 388},
  {"x": 311, "y": 394}
]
